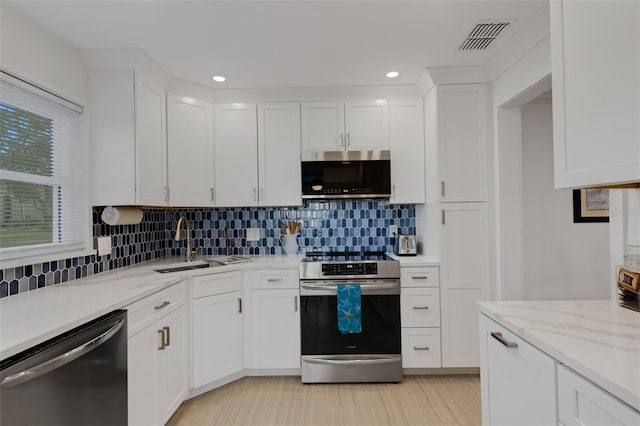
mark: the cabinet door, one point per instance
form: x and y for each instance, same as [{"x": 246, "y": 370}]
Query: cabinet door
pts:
[
  {"x": 113, "y": 137},
  {"x": 190, "y": 151},
  {"x": 279, "y": 154},
  {"x": 367, "y": 125},
  {"x": 464, "y": 279},
  {"x": 520, "y": 379},
  {"x": 582, "y": 403},
  {"x": 236, "y": 155},
  {"x": 273, "y": 329},
  {"x": 420, "y": 307},
  {"x": 462, "y": 142},
  {"x": 421, "y": 348},
  {"x": 322, "y": 126},
  {"x": 596, "y": 98},
  {"x": 151, "y": 147},
  {"x": 217, "y": 337},
  {"x": 172, "y": 363},
  {"x": 407, "y": 152},
  {"x": 142, "y": 366}
]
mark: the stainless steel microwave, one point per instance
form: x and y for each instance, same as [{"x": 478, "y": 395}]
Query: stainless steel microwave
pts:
[{"x": 346, "y": 174}]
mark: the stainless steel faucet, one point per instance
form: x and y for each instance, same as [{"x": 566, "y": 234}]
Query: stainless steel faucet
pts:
[
  {"x": 189, "y": 252},
  {"x": 227, "y": 242}
]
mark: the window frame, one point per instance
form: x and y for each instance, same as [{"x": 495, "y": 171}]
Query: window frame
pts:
[{"x": 83, "y": 244}]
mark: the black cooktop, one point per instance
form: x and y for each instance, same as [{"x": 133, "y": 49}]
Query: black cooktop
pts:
[{"x": 344, "y": 256}]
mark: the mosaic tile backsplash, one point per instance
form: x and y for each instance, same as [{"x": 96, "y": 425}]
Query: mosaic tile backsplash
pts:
[
  {"x": 331, "y": 224},
  {"x": 326, "y": 225}
]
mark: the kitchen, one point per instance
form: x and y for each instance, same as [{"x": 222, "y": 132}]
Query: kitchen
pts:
[{"x": 468, "y": 96}]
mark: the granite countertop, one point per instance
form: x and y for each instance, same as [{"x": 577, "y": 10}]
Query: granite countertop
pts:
[
  {"x": 30, "y": 318},
  {"x": 597, "y": 338}
]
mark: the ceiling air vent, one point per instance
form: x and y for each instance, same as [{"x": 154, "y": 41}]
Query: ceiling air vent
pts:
[{"x": 481, "y": 36}]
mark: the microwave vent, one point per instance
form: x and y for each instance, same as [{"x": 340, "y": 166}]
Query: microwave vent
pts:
[{"x": 482, "y": 35}]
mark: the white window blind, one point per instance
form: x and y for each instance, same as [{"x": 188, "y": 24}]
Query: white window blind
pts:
[{"x": 43, "y": 178}]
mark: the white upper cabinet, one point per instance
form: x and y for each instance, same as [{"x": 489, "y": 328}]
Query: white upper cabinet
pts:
[
  {"x": 339, "y": 126},
  {"x": 462, "y": 121},
  {"x": 190, "y": 151},
  {"x": 128, "y": 138},
  {"x": 235, "y": 155},
  {"x": 279, "y": 154},
  {"x": 407, "y": 152},
  {"x": 596, "y": 92}
]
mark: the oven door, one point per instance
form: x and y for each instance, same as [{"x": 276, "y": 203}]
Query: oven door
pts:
[{"x": 380, "y": 319}]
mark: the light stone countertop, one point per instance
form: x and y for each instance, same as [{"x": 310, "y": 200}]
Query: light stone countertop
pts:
[
  {"x": 419, "y": 260},
  {"x": 597, "y": 338},
  {"x": 30, "y": 318}
]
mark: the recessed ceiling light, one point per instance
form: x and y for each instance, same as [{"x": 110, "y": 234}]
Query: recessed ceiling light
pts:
[
  {"x": 218, "y": 78},
  {"x": 393, "y": 74}
]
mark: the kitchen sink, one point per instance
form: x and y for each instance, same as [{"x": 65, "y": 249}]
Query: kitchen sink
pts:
[
  {"x": 228, "y": 260},
  {"x": 185, "y": 267}
]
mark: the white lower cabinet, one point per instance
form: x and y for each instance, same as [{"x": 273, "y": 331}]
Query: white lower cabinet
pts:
[
  {"x": 216, "y": 344},
  {"x": 272, "y": 321},
  {"x": 420, "y": 317},
  {"x": 582, "y": 403},
  {"x": 518, "y": 380},
  {"x": 157, "y": 357}
]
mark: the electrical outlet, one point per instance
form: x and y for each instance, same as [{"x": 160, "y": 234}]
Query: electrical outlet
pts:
[
  {"x": 393, "y": 230},
  {"x": 104, "y": 246},
  {"x": 253, "y": 234}
]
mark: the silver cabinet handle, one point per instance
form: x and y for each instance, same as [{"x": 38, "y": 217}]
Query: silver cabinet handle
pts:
[
  {"x": 419, "y": 277},
  {"x": 162, "y": 344},
  {"x": 421, "y": 307},
  {"x": 274, "y": 280},
  {"x": 442, "y": 188},
  {"x": 295, "y": 303},
  {"x": 239, "y": 305},
  {"x": 348, "y": 139},
  {"x": 498, "y": 336},
  {"x": 254, "y": 194},
  {"x": 443, "y": 217},
  {"x": 393, "y": 190},
  {"x": 162, "y": 305},
  {"x": 166, "y": 193},
  {"x": 212, "y": 194},
  {"x": 167, "y": 334},
  {"x": 421, "y": 348},
  {"x": 60, "y": 360},
  {"x": 262, "y": 193}
]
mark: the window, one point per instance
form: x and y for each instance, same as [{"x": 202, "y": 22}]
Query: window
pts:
[{"x": 43, "y": 177}]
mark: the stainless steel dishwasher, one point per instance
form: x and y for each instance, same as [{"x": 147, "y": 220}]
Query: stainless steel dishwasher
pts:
[{"x": 76, "y": 378}]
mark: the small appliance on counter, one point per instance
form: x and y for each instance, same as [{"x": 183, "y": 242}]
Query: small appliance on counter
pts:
[
  {"x": 405, "y": 245},
  {"x": 628, "y": 287}
]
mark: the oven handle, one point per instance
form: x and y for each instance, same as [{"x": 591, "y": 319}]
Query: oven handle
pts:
[
  {"x": 374, "y": 361},
  {"x": 393, "y": 285}
]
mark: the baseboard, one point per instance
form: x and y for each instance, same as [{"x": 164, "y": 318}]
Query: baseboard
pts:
[
  {"x": 440, "y": 371},
  {"x": 272, "y": 371},
  {"x": 215, "y": 384}
]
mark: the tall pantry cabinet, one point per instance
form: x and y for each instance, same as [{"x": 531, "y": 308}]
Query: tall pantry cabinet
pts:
[{"x": 457, "y": 122}]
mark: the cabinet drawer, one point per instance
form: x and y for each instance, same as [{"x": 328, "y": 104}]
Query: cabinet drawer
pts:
[
  {"x": 581, "y": 402},
  {"x": 420, "y": 307},
  {"x": 146, "y": 311},
  {"x": 419, "y": 277},
  {"x": 210, "y": 285},
  {"x": 421, "y": 348},
  {"x": 287, "y": 278}
]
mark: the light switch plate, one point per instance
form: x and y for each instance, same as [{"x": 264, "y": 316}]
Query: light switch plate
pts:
[
  {"x": 104, "y": 246},
  {"x": 393, "y": 230},
  {"x": 253, "y": 234}
]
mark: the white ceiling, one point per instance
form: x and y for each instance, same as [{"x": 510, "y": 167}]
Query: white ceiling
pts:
[{"x": 284, "y": 44}]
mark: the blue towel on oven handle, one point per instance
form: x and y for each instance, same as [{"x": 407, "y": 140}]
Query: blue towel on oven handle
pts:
[{"x": 349, "y": 308}]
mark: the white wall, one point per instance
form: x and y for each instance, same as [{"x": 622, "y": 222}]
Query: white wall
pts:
[
  {"x": 561, "y": 259},
  {"x": 29, "y": 52}
]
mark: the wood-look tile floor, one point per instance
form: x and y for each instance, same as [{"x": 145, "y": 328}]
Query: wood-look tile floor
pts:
[{"x": 280, "y": 401}]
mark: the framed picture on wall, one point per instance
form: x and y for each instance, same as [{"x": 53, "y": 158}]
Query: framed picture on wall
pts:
[{"x": 590, "y": 205}]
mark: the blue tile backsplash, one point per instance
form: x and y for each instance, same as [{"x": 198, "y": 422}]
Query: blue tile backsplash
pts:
[{"x": 360, "y": 225}]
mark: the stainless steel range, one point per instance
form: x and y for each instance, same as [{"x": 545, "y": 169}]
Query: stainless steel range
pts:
[{"x": 374, "y": 353}]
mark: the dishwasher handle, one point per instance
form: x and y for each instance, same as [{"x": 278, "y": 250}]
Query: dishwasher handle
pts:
[{"x": 60, "y": 360}]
